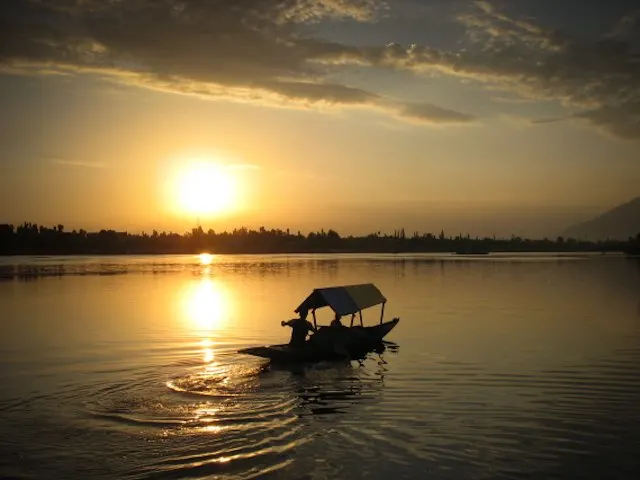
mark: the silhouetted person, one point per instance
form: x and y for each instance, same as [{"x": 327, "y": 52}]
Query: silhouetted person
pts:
[
  {"x": 339, "y": 337},
  {"x": 336, "y": 321},
  {"x": 300, "y": 328}
]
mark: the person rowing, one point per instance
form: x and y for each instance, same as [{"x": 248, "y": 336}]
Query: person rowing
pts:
[{"x": 300, "y": 327}]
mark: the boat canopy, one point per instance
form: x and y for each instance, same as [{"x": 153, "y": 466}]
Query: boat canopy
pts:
[{"x": 345, "y": 300}]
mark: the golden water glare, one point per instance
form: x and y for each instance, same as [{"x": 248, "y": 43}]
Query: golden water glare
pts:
[
  {"x": 207, "y": 349},
  {"x": 206, "y": 305},
  {"x": 205, "y": 259}
]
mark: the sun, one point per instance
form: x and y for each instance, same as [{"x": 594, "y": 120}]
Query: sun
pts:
[{"x": 206, "y": 188}]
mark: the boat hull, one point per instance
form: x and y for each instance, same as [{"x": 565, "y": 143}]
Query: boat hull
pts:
[{"x": 361, "y": 341}]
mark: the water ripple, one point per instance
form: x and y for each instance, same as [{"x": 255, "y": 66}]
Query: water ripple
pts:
[{"x": 86, "y": 397}]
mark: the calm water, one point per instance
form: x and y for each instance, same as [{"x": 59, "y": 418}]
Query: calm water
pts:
[{"x": 505, "y": 367}]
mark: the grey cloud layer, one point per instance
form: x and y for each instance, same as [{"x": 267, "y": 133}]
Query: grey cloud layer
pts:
[
  {"x": 254, "y": 50},
  {"x": 598, "y": 80},
  {"x": 243, "y": 49}
]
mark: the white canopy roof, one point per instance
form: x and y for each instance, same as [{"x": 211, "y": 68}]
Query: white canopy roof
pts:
[{"x": 344, "y": 300}]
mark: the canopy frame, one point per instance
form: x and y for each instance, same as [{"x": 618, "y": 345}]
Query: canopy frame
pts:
[{"x": 344, "y": 300}]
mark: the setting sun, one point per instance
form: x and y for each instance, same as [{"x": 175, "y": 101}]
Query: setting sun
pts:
[{"x": 206, "y": 188}]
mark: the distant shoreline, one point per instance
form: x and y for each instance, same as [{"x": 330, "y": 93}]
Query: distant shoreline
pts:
[
  {"x": 619, "y": 252},
  {"x": 452, "y": 254},
  {"x": 33, "y": 239}
]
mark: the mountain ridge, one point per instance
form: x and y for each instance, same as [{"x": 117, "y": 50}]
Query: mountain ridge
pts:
[{"x": 619, "y": 223}]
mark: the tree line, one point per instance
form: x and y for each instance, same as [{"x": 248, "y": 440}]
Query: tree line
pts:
[{"x": 34, "y": 239}]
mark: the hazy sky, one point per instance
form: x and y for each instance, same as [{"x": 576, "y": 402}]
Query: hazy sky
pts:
[{"x": 488, "y": 117}]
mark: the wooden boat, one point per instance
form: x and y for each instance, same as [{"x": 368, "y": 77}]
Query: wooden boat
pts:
[
  {"x": 632, "y": 251},
  {"x": 472, "y": 251},
  {"x": 358, "y": 339}
]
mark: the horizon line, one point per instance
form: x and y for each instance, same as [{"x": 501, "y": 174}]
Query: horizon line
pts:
[{"x": 399, "y": 233}]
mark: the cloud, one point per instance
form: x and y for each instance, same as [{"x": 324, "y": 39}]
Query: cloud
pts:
[
  {"x": 494, "y": 28},
  {"x": 263, "y": 51},
  {"x": 362, "y": 10},
  {"x": 599, "y": 77},
  {"x": 620, "y": 121},
  {"x": 66, "y": 162},
  {"x": 627, "y": 25},
  {"x": 332, "y": 93},
  {"x": 78, "y": 163},
  {"x": 251, "y": 51},
  {"x": 428, "y": 113},
  {"x": 542, "y": 121}
]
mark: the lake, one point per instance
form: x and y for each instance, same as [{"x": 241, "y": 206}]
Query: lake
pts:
[{"x": 502, "y": 366}]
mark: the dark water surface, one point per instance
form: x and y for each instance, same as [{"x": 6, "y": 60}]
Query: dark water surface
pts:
[{"x": 505, "y": 367}]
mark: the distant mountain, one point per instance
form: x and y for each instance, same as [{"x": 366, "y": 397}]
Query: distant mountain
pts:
[{"x": 619, "y": 223}]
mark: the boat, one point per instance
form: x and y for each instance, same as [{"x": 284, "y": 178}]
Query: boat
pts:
[
  {"x": 343, "y": 300},
  {"x": 632, "y": 251},
  {"x": 471, "y": 250}
]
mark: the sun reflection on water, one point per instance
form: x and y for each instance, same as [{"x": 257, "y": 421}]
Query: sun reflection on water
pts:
[
  {"x": 206, "y": 305},
  {"x": 205, "y": 258},
  {"x": 212, "y": 429},
  {"x": 207, "y": 349}
]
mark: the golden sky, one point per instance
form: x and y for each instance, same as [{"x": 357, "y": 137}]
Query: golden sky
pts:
[{"x": 480, "y": 117}]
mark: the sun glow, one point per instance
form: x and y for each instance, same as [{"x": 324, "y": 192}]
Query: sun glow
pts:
[{"x": 206, "y": 188}]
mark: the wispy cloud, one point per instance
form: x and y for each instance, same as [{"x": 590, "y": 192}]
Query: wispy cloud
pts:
[
  {"x": 78, "y": 163},
  {"x": 429, "y": 113}
]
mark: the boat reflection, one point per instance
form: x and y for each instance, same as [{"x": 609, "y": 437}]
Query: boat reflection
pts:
[
  {"x": 334, "y": 387},
  {"x": 337, "y": 390}
]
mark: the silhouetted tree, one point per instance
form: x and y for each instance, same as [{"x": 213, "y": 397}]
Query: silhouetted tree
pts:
[{"x": 29, "y": 238}]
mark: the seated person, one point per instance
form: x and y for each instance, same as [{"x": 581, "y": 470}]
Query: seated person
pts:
[
  {"x": 339, "y": 337},
  {"x": 336, "y": 321}
]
